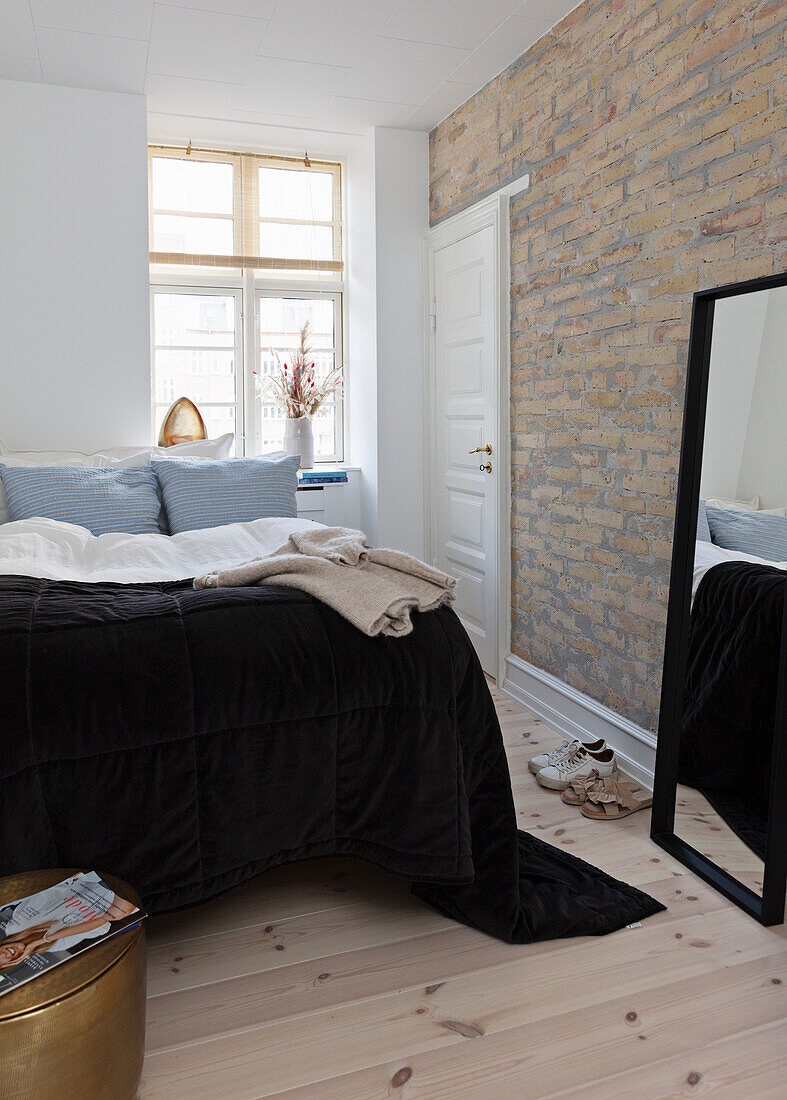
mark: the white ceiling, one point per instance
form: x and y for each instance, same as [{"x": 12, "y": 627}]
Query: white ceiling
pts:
[{"x": 325, "y": 65}]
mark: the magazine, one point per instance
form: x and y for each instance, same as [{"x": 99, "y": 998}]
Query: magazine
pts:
[{"x": 39, "y": 932}]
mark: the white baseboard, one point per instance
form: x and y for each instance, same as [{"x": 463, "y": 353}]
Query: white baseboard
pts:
[{"x": 575, "y": 714}]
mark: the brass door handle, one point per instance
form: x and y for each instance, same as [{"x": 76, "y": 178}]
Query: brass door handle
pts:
[
  {"x": 487, "y": 450},
  {"x": 487, "y": 467}
]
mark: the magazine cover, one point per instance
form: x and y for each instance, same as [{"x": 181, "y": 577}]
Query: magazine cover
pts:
[{"x": 52, "y": 926}]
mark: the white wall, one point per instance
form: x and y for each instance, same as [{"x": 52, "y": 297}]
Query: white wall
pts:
[
  {"x": 735, "y": 350},
  {"x": 764, "y": 461},
  {"x": 745, "y": 446},
  {"x": 402, "y": 221},
  {"x": 387, "y": 200},
  {"x": 361, "y": 333},
  {"x": 74, "y": 343}
]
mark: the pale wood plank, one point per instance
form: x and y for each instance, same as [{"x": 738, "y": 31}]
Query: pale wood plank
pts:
[
  {"x": 192, "y": 1014},
  {"x": 633, "y": 1037},
  {"x": 264, "y": 946},
  {"x": 748, "y": 1066},
  {"x": 538, "y": 984},
  {"x": 297, "y": 888}
]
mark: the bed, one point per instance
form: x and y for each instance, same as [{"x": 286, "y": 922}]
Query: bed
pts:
[
  {"x": 188, "y": 740},
  {"x": 731, "y": 685}
]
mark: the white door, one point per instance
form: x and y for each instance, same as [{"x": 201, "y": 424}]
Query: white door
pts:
[{"x": 465, "y": 453}]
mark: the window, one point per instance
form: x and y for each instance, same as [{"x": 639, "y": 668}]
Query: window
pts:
[
  {"x": 281, "y": 318},
  {"x": 244, "y": 249},
  {"x": 196, "y": 348}
]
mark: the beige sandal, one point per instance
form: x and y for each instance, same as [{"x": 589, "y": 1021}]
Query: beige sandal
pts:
[
  {"x": 612, "y": 799},
  {"x": 577, "y": 793}
]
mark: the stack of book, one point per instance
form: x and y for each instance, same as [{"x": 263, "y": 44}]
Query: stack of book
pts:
[{"x": 322, "y": 477}]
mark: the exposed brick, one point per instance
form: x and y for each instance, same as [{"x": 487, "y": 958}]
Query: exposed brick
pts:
[
  {"x": 741, "y": 218},
  {"x": 654, "y": 132},
  {"x": 748, "y": 108}
]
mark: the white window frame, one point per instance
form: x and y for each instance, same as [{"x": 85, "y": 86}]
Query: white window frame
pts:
[
  {"x": 191, "y": 288},
  {"x": 247, "y": 288}
]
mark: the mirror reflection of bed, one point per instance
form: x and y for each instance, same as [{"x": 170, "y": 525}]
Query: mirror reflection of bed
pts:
[{"x": 738, "y": 590}]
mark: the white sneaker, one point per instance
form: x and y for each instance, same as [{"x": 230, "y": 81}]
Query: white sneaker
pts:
[
  {"x": 549, "y": 759},
  {"x": 557, "y": 777}
]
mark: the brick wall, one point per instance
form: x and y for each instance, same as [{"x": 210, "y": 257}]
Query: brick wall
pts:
[{"x": 654, "y": 133}]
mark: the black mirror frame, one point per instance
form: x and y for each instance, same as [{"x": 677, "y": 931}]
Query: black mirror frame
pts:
[{"x": 768, "y": 909}]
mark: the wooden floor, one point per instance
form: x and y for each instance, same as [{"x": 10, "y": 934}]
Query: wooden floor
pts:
[
  {"x": 327, "y": 981},
  {"x": 700, "y": 825}
]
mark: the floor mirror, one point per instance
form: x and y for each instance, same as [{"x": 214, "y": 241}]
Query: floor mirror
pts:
[{"x": 720, "y": 790}]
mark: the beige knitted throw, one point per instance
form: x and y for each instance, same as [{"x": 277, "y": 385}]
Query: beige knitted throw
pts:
[{"x": 375, "y": 590}]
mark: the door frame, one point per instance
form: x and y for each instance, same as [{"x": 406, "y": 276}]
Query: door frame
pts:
[{"x": 491, "y": 211}]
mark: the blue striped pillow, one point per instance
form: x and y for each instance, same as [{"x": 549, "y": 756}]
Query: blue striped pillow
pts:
[
  {"x": 102, "y": 500},
  {"x": 209, "y": 494},
  {"x": 764, "y": 536},
  {"x": 703, "y": 530}
]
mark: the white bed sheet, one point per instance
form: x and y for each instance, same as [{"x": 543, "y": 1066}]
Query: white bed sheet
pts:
[
  {"x": 62, "y": 551},
  {"x": 707, "y": 554}
]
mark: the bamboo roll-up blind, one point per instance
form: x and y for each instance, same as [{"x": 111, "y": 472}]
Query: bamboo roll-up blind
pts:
[{"x": 320, "y": 237}]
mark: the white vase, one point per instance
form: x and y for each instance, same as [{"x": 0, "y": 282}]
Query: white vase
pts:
[{"x": 299, "y": 439}]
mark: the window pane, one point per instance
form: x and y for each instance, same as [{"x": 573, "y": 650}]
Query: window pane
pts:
[
  {"x": 176, "y": 233},
  {"x": 295, "y": 242},
  {"x": 194, "y": 185},
  {"x": 220, "y": 421},
  {"x": 200, "y": 375},
  {"x": 271, "y": 428},
  {"x": 305, "y": 196},
  {"x": 324, "y": 424},
  {"x": 281, "y": 320},
  {"x": 204, "y": 320}
]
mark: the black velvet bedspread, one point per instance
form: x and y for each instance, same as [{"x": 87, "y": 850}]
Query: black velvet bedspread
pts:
[
  {"x": 730, "y": 693},
  {"x": 188, "y": 740}
]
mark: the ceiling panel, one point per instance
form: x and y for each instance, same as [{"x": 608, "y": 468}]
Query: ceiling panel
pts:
[
  {"x": 346, "y": 111},
  {"x": 402, "y": 72},
  {"x": 550, "y": 10},
  {"x": 255, "y": 9},
  {"x": 290, "y": 87},
  {"x": 332, "y": 33},
  {"x": 202, "y": 45},
  {"x": 92, "y": 60},
  {"x": 122, "y": 18},
  {"x": 20, "y": 68},
  {"x": 501, "y": 48},
  {"x": 271, "y": 118},
  {"x": 464, "y": 23},
  {"x": 17, "y": 34},
  {"x": 182, "y": 95}
]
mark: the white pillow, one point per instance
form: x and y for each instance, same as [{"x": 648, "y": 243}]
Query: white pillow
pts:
[
  {"x": 734, "y": 505},
  {"x": 117, "y": 457},
  {"x": 125, "y": 456}
]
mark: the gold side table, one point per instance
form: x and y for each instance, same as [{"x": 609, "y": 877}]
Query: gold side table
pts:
[{"x": 79, "y": 1030}]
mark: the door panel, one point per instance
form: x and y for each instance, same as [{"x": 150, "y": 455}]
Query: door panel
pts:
[
  {"x": 465, "y": 520},
  {"x": 465, "y": 368}
]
